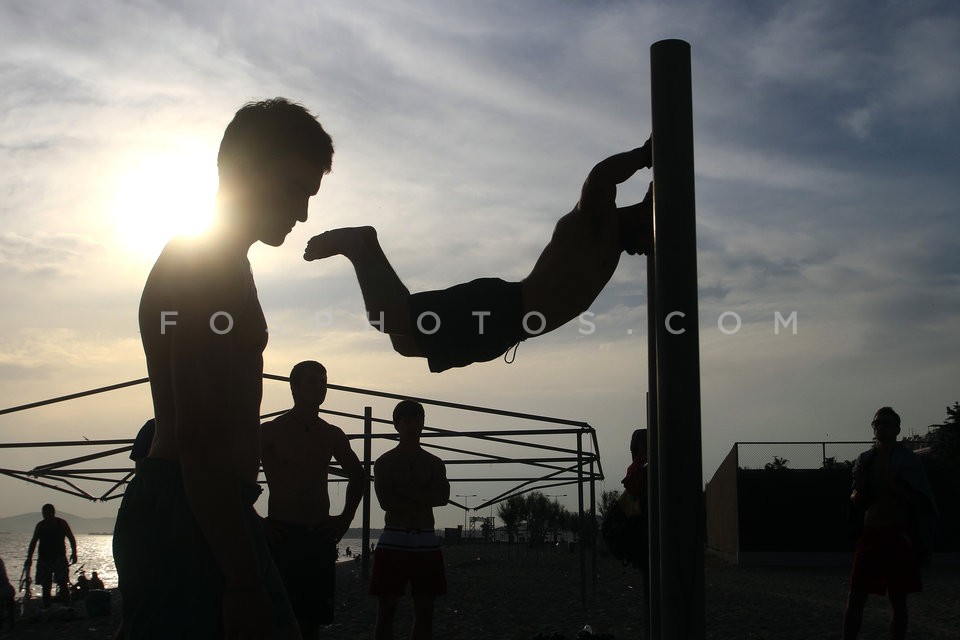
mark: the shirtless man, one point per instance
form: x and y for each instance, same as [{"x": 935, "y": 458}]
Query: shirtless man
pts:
[
  {"x": 480, "y": 320},
  {"x": 203, "y": 331},
  {"x": 51, "y": 533},
  {"x": 409, "y": 482},
  {"x": 296, "y": 449},
  {"x": 891, "y": 488}
]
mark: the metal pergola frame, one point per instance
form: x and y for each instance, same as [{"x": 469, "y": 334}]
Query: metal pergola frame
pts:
[{"x": 577, "y": 463}]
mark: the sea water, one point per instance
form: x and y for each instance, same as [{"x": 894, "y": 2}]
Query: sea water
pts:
[{"x": 94, "y": 553}]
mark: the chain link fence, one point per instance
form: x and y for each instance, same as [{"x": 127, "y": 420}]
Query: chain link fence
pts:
[{"x": 799, "y": 455}]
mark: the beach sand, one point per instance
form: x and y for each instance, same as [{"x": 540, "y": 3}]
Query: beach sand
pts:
[{"x": 515, "y": 594}]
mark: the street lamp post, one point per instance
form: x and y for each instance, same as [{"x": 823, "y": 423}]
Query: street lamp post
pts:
[{"x": 461, "y": 495}]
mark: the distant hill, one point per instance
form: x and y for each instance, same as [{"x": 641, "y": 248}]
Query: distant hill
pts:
[{"x": 25, "y": 522}]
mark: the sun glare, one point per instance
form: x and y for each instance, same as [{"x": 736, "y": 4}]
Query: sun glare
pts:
[{"x": 161, "y": 196}]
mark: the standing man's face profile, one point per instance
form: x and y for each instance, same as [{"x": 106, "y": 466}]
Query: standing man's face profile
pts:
[{"x": 277, "y": 198}]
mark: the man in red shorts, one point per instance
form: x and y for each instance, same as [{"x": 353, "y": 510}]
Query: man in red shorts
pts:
[
  {"x": 409, "y": 482},
  {"x": 891, "y": 489}
]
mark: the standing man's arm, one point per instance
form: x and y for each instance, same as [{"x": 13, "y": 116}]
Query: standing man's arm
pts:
[
  {"x": 33, "y": 545},
  {"x": 438, "y": 491},
  {"x": 350, "y": 463},
  {"x": 211, "y": 385},
  {"x": 202, "y": 380},
  {"x": 73, "y": 541}
]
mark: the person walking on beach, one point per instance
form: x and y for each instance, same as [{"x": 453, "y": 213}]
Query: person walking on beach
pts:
[
  {"x": 409, "y": 482},
  {"x": 51, "y": 534},
  {"x": 480, "y": 320},
  {"x": 296, "y": 449},
  {"x": 203, "y": 332},
  {"x": 891, "y": 490}
]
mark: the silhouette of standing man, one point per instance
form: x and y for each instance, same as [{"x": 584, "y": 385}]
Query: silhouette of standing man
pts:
[
  {"x": 50, "y": 533},
  {"x": 297, "y": 448},
  {"x": 203, "y": 332},
  {"x": 409, "y": 482},
  {"x": 891, "y": 489}
]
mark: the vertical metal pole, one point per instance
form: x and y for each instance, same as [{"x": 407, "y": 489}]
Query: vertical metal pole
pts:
[
  {"x": 678, "y": 345},
  {"x": 652, "y": 602},
  {"x": 583, "y": 522},
  {"x": 367, "y": 437},
  {"x": 593, "y": 525}
]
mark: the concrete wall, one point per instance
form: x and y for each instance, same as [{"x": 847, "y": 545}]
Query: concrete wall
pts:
[{"x": 723, "y": 535}]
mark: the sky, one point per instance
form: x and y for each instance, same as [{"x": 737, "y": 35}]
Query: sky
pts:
[{"x": 826, "y": 143}]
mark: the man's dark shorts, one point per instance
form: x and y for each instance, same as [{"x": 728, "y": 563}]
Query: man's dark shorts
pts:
[
  {"x": 170, "y": 583},
  {"x": 306, "y": 558},
  {"x": 884, "y": 561},
  {"x": 492, "y": 304},
  {"x": 50, "y": 570}
]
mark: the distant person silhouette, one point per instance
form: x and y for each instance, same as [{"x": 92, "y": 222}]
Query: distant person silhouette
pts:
[
  {"x": 51, "y": 534},
  {"x": 891, "y": 490},
  {"x": 409, "y": 482},
  {"x": 482, "y": 319},
  {"x": 203, "y": 333},
  {"x": 296, "y": 449},
  {"x": 82, "y": 584},
  {"x": 95, "y": 581}
]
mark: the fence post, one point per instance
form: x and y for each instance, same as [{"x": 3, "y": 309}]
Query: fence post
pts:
[
  {"x": 583, "y": 520},
  {"x": 367, "y": 437}
]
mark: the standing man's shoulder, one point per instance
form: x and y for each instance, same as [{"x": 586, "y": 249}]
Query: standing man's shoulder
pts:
[
  {"x": 276, "y": 424},
  {"x": 273, "y": 429},
  {"x": 334, "y": 431},
  {"x": 387, "y": 457},
  {"x": 432, "y": 458}
]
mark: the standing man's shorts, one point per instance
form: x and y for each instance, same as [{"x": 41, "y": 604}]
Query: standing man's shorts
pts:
[
  {"x": 884, "y": 560},
  {"x": 48, "y": 569},
  {"x": 306, "y": 558},
  {"x": 406, "y": 555},
  {"x": 170, "y": 582},
  {"x": 472, "y": 322}
]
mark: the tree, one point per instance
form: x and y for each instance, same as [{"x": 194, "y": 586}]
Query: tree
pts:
[
  {"x": 538, "y": 516},
  {"x": 777, "y": 464},
  {"x": 607, "y": 500},
  {"x": 944, "y": 440},
  {"x": 512, "y": 512}
]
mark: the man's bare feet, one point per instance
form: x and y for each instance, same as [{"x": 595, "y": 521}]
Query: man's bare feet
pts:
[
  {"x": 636, "y": 225},
  {"x": 346, "y": 241}
]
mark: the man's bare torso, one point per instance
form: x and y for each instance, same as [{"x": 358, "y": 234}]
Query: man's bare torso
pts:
[
  {"x": 192, "y": 284},
  {"x": 574, "y": 267},
  {"x": 889, "y": 506},
  {"x": 296, "y": 460},
  {"x": 409, "y": 476}
]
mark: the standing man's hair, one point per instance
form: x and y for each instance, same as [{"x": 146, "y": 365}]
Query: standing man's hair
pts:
[
  {"x": 638, "y": 443},
  {"x": 407, "y": 409},
  {"x": 299, "y": 369},
  {"x": 888, "y": 412},
  {"x": 262, "y": 132}
]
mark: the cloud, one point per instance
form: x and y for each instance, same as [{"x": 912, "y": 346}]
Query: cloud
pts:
[{"x": 43, "y": 254}]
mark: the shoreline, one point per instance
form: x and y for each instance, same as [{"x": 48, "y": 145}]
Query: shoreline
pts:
[{"x": 513, "y": 593}]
